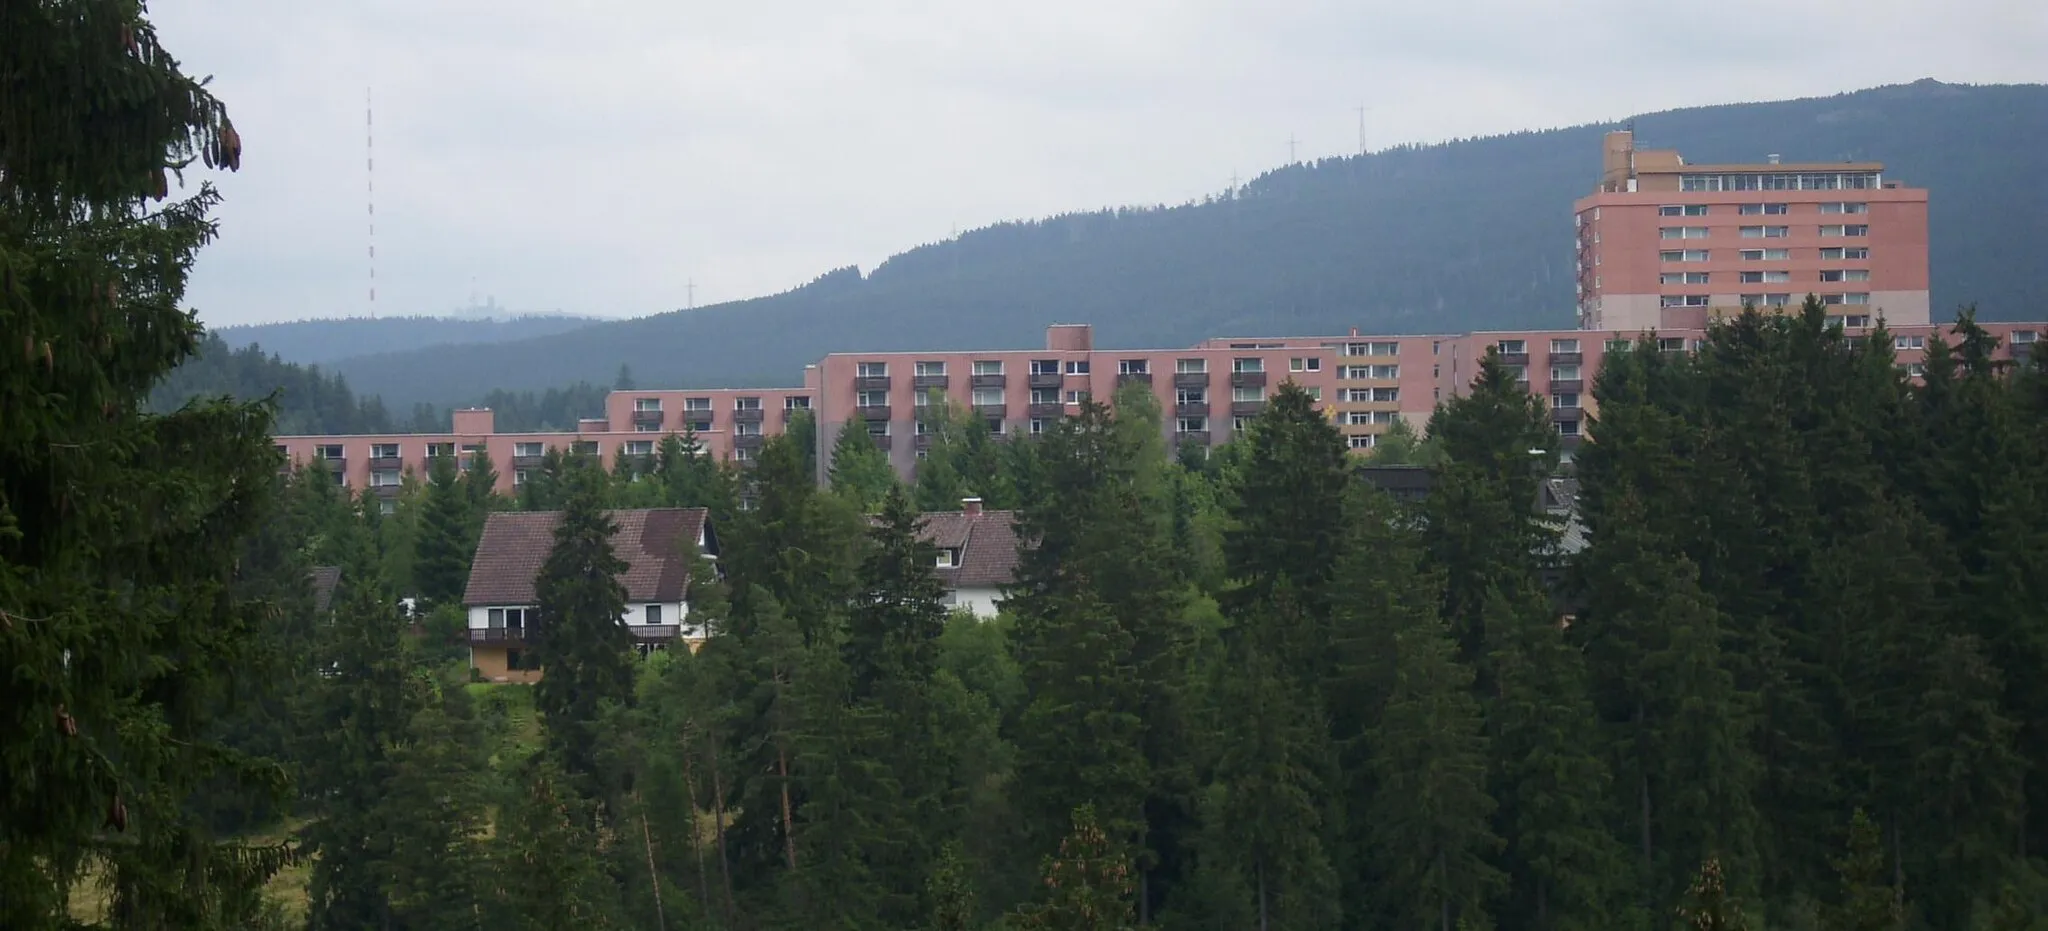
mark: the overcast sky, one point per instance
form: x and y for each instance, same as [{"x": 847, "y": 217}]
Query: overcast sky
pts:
[{"x": 596, "y": 157}]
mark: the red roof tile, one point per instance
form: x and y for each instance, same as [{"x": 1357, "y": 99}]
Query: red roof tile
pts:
[
  {"x": 987, "y": 542},
  {"x": 515, "y": 545}
]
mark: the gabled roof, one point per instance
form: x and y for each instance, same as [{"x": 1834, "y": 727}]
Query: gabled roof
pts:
[
  {"x": 986, "y": 542},
  {"x": 516, "y": 544},
  {"x": 324, "y": 579}
]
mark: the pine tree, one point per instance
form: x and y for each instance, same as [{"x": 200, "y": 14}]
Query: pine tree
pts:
[
  {"x": 480, "y": 486},
  {"x": 546, "y": 858},
  {"x": 1087, "y": 884},
  {"x": 1708, "y": 906},
  {"x": 432, "y": 810},
  {"x": 951, "y": 892},
  {"x": 1283, "y": 528},
  {"x": 445, "y": 545},
  {"x": 894, "y": 623},
  {"x": 860, "y": 471},
  {"x": 584, "y": 649},
  {"x": 1869, "y": 901},
  {"x": 119, "y": 528}
]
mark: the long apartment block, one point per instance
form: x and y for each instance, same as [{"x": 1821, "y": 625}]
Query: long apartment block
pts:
[{"x": 1207, "y": 394}]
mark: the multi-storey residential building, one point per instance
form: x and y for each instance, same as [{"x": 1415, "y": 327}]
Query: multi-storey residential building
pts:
[{"x": 1665, "y": 245}]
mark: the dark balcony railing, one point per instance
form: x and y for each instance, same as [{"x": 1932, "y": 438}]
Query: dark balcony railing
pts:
[
  {"x": 748, "y": 440},
  {"x": 1247, "y": 379},
  {"x": 929, "y": 412},
  {"x": 1192, "y": 409},
  {"x": 1044, "y": 380},
  {"x": 921, "y": 441},
  {"x": 526, "y": 462},
  {"x": 748, "y": 415},
  {"x": 881, "y": 440},
  {"x": 1192, "y": 438},
  {"x": 386, "y": 464},
  {"x": 1566, "y": 385},
  {"x": 987, "y": 381},
  {"x": 647, "y": 416},
  {"x": 1246, "y": 408},
  {"x": 874, "y": 412},
  {"x": 334, "y": 464},
  {"x": 1572, "y": 442},
  {"x": 991, "y": 410},
  {"x": 926, "y": 382},
  {"x": 1191, "y": 379},
  {"x": 1567, "y": 358},
  {"x": 871, "y": 383},
  {"x": 1562, "y": 414},
  {"x": 501, "y": 635},
  {"x": 1514, "y": 358},
  {"x": 655, "y": 631},
  {"x": 1125, "y": 378},
  {"x": 1045, "y": 410},
  {"x": 789, "y": 412}
]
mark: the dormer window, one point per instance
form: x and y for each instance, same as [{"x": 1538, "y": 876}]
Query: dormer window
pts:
[{"x": 949, "y": 558}]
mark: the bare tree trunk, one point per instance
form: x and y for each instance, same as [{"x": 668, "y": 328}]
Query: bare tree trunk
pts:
[
  {"x": 788, "y": 814},
  {"x": 696, "y": 839},
  {"x": 653, "y": 877},
  {"x": 718, "y": 816}
]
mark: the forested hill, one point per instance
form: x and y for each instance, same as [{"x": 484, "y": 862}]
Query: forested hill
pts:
[
  {"x": 1459, "y": 236},
  {"x": 310, "y": 341}
]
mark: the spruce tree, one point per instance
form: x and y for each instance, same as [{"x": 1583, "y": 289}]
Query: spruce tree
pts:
[
  {"x": 1430, "y": 831},
  {"x": 546, "y": 856},
  {"x": 860, "y": 471},
  {"x": 119, "y": 528},
  {"x": 445, "y": 544},
  {"x": 1708, "y": 905},
  {"x": 433, "y": 811},
  {"x": 1087, "y": 884},
  {"x": 1868, "y": 899},
  {"x": 585, "y": 652},
  {"x": 1283, "y": 527},
  {"x": 480, "y": 487}
]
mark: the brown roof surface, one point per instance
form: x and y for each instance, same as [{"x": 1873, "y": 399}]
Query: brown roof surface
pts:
[
  {"x": 324, "y": 579},
  {"x": 515, "y": 545},
  {"x": 987, "y": 543}
]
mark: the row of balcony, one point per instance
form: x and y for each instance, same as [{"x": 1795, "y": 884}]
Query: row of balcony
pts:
[
  {"x": 747, "y": 415},
  {"x": 1555, "y": 358},
  {"x": 488, "y": 635},
  {"x": 881, "y": 412},
  {"x": 1054, "y": 380}
]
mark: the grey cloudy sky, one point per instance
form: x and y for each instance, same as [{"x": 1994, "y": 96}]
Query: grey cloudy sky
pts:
[{"x": 595, "y": 156}]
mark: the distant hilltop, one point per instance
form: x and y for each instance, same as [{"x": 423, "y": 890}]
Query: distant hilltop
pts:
[{"x": 322, "y": 341}]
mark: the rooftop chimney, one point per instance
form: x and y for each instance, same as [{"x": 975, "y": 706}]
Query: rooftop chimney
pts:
[
  {"x": 1354, "y": 331},
  {"x": 971, "y": 505}
]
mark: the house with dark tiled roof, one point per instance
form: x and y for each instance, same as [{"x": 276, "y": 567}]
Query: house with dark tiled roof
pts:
[
  {"x": 323, "y": 579},
  {"x": 504, "y": 609},
  {"x": 977, "y": 554}
]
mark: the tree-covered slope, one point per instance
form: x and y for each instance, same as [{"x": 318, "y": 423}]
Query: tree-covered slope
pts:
[
  {"x": 1459, "y": 236},
  {"x": 310, "y": 341}
]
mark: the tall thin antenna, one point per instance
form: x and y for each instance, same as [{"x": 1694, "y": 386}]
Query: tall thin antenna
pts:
[
  {"x": 691, "y": 290},
  {"x": 370, "y": 192},
  {"x": 1361, "y": 127},
  {"x": 1290, "y": 148}
]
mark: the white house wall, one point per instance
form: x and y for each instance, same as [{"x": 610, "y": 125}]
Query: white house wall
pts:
[
  {"x": 672, "y": 612},
  {"x": 981, "y": 601}
]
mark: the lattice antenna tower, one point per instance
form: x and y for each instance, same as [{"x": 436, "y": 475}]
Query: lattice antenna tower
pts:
[{"x": 370, "y": 191}]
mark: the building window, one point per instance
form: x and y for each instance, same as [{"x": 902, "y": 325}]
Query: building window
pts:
[
  {"x": 1845, "y": 208},
  {"x": 1766, "y": 255},
  {"x": 1077, "y": 367},
  {"x": 1851, "y": 321},
  {"x": 1565, "y": 400},
  {"x": 1838, "y": 253},
  {"x": 1045, "y": 366},
  {"x": 1133, "y": 367},
  {"x": 1564, "y": 373},
  {"x": 1372, "y": 349},
  {"x": 1845, "y": 274},
  {"x": 1766, "y": 232},
  {"x": 647, "y": 404},
  {"x": 330, "y": 451},
  {"x": 1683, "y": 255},
  {"x": 1045, "y": 395},
  {"x": 1852, "y": 229},
  {"x": 1758, "y": 210},
  {"x": 1513, "y": 347},
  {"x": 1240, "y": 424},
  {"x": 639, "y": 447},
  {"x": 871, "y": 398},
  {"x": 988, "y": 367},
  {"x": 1247, "y": 395},
  {"x": 519, "y": 476},
  {"x": 1683, "y": 300},
  {"x": 697, "y": 426},
  {"x": 995, "y": 426},
  {"x": 1682, "y": 232},
  {"x": 1077, "y": 397},
  {"x": 1191, "y": 366},
  {"x": 384, "y": 479},
  {"x": 1904, "y": 343},
  {"x": 2024, "y": 337},
  {"x": 946, "y": 558},
  {"x": 928, "y": 369},
  {"x": 436, "y": 450},
  {"x": 1247, "y": 365},
  {"x": 797, "y": 402},
  {"x": 746, "y": 429},
  {"x": 1385, "y": 395},
  {"x": 1037, "y": 427},
  {"x": 988, "y": 397},
  {"x": 526, "y": 449},
  {"x": 646, "y": 428},
  {"x": 1191, "y": 425},
  {"x": 384, "y": 450},
  {"x": 746, "y": 404},
  {"x": 696, "y": 404},
  {"x": 925, "y": 398},
  {"x": 1682, "y": 278},
  {"x": 1191, "y": 396},
  {"x": 924, "y": 428},
  {"x": 1765, "y": 277},
  {"x": 1564, "y": 345},
  {"x": 1568, "y": 428},
  {"x": 1682, "y": 210},
  {"x": 743, "y": 454},
  {"x": 1305, "y": 364},
  {"x": 1914, "y": 369},
  {"x": 653, "y": 614},
  {"x": 871, "y": 369},
  {"x": 1369, "y": 418},
  {"x": 583, "y": 448}
]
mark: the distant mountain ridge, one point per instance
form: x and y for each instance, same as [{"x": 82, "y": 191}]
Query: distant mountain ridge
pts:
[
  {"x": 322, "y": 341},
  {"x": 1472, "y": 234}
]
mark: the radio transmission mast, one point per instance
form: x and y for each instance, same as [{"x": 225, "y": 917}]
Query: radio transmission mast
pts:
[{"x": 370, "y": 192}]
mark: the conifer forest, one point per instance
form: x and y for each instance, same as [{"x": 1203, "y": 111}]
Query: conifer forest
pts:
[{"x": 1780, "y": 667}]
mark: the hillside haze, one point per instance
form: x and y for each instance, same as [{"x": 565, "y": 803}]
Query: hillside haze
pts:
[
  {"x": 320, "y": 341},
  {"x": 1474, "y": 234}
]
